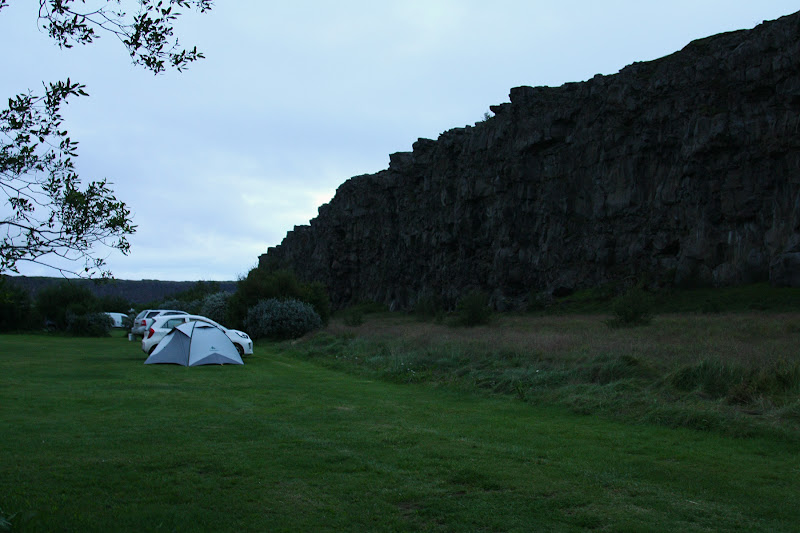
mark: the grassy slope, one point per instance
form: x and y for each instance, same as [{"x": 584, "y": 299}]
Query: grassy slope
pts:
[
  {"x": 738, "y": 373},
  {"x": 92, "y": 440}
]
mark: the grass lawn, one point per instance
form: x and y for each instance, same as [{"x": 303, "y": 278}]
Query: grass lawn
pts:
[{"x": 93, "y": 440}]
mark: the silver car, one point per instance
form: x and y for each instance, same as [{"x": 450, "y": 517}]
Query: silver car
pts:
[
  {"x": 161, "y": 325},
  {"x": 143, "y": 319}
]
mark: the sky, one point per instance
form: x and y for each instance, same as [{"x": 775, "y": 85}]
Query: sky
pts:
[{"x": 218, "y": 162}]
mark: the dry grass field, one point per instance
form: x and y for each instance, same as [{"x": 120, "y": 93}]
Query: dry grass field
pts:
[
  {"x": 745, "y": 338},
  {"x": 735, "y": 372}
]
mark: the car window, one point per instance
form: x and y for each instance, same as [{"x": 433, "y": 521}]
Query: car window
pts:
[
  {"x": 172, "y": 322},
  {"x": 151, "y": 314}
]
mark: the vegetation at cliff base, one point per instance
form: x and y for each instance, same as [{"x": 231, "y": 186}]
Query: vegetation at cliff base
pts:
[
  {"x": 264, "y": 284},
  {"x": 736, "y": 373}
]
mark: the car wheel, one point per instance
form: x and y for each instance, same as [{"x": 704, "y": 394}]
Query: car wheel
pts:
[
  {"x": 239, "y": 349},
  {"x": 152, "y": 350}
]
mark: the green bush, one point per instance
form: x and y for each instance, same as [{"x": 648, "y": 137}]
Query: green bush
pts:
[
  {"x": 56, "y": 303},
  {"x": 633, "y": 308},
  {"x": 89, "y": 325},
  {"x": 113, "y": 304},
  {"x": 316, "y": 294},
  {"x": 177, "y": 305},
  {"x": 15, "y": 308},
  {"x": 281, "y": 319},
  {"x": 262, "y": 284},
  {"x": 474, "y": 310},
  {"x": 215, "y": 307}
]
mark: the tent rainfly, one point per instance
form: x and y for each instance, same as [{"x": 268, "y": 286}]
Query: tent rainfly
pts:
[{"x": 193, "y": 344}]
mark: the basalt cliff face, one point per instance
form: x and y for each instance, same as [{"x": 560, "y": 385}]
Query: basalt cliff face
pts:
[{"x": 681, "y": 170}]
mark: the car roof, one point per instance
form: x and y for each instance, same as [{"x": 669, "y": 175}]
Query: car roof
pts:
[{"x": 187, "y": 315}]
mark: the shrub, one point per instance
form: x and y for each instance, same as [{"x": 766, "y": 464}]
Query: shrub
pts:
[
  {"x": 474, "y": 310},
  {"x": 281, "y": 319},
  {"x": 113, "y": 304},
  {"x": 15, "y": 307},
  {"x": 317, "y": 295},
  {"x": 176, "y": 305},
  {"x": 56, "y": 303},
  {"x": 89, "y": 325},
  {"x": 262, "y": 284},
  {"x": 215, "y": 307},
  {"x": 633, "y": 308}
]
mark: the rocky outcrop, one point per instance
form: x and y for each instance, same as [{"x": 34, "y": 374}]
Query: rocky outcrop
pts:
[{"x": 682, "y": 170}]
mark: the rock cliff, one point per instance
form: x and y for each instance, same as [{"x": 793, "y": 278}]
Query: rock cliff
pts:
[{"x": 682, "y": 170}]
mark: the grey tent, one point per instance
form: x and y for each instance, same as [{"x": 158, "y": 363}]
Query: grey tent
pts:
[{"x": 193, "y": 344}]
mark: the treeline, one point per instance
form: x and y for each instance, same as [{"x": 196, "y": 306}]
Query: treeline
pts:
[
  {"x": 67, "y": 307},
  {"x": 138, "y": 292},
  {"x": 272, "y": 304},
  {"x": 266, "y": 304}
]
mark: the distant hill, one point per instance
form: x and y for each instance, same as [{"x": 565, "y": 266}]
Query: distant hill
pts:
[{"x": 137, "y": 292}]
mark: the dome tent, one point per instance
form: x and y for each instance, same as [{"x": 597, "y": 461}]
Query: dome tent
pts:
[{"x": 194, "y": 344}]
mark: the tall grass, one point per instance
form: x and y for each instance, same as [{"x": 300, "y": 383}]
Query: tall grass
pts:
[{"x": 741, "y": 371}]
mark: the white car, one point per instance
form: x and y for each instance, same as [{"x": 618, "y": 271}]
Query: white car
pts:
[
  {"x": 161, "y": 325},
  {"x": 143, "y": 319},
  {"x": 119, "y": 319}
]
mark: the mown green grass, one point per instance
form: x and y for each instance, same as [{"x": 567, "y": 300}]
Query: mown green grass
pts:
[{"x": 93, "y": 440}]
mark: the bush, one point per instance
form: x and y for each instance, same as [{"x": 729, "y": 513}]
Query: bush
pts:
[
  {"x": 317, "y": 295},
  {"x": 89, "y": 325},
  {"x": 56, "y": 303},
  {"x": 474, "y": 310},
  {"x": 633, "y": 308},
  {"x": 215, "y": 307},
  {"x": 15, "y": 307},
  {"x": 261, "y": 284},
  {"x": 113, "y": 304},
  {"x": 281, "y": 319},
  {"x": 177, "y": 305}
]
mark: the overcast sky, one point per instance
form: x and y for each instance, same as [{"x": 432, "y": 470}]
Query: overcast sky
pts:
[{"x": 293, "y": 98}]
